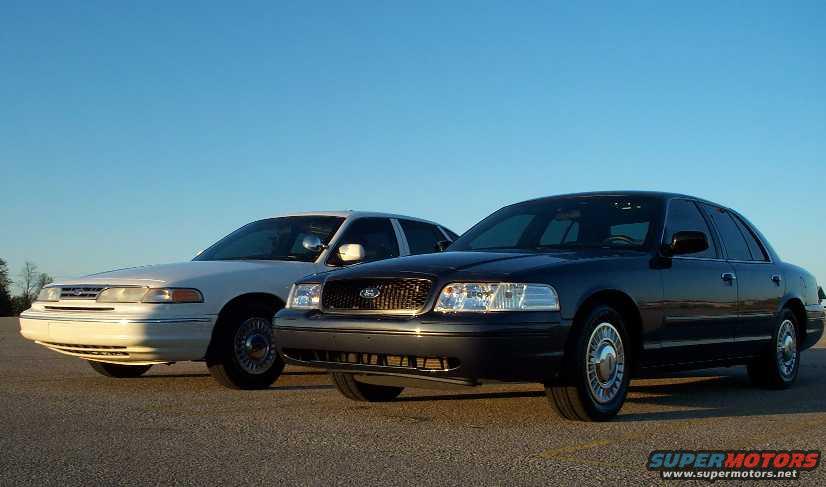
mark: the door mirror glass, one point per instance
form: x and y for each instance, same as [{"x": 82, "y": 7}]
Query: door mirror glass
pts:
[
  {"x": 821, "y": 295},
  {"x": 442, "y": 245},
  {"x": 312, "y": 243},
  {"x": 687, "y": 242},
  {"x": 350, "y": 253}
]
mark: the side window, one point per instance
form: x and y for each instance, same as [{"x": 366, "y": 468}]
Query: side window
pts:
[
  {"x": 684, "y": 216},
  {"x": 758, "y": 253},
  {"x": 421, "y": 237},
  {"x": 736, "y": 246},
  {"x": 376, "y": 235}
]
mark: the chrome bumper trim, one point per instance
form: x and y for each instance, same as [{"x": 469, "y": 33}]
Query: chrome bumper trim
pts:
[{"x": 120, "y": 321}]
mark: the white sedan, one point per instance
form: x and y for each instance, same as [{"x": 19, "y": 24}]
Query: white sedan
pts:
[{"x": 219, "y": 306}]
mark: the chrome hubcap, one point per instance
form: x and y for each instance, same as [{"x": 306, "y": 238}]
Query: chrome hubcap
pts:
[
  {"x": 254, "y": 349},
  {"x": 605, "y": 363},
  {"x": 786, "y": 349}
]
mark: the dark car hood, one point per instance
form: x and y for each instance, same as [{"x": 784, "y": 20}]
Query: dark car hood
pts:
[{"x": 489, "y": 264}]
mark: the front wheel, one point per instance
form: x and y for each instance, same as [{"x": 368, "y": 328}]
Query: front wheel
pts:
[
  {"x": 352, "y": 389},
  {"x": 596, "y": 370},
  {"x": 119, "y": 371},
  {"x": 777, "y": 367},
  {"x": 242, "y": 354}
]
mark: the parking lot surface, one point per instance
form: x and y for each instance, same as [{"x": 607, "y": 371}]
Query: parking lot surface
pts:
[{"x": 60, "y": 422}]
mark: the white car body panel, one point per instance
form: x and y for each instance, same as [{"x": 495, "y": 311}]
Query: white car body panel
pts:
[{"x": 143, "y": 333}]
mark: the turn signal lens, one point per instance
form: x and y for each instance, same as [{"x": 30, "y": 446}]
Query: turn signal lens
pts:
[{"x": 173, "y": 295}]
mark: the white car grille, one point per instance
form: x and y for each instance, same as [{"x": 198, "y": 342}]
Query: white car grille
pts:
[{"x": 80, "y": 292}]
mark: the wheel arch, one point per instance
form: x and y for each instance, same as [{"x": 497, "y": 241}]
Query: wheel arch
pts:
[
  {"x": 624, "y": 304},
  {"x": 795, "y": 305},
  {"x": 244, "y": 300}
]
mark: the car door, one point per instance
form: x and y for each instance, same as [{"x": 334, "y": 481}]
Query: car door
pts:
[
  {"x": 699, "y": 294},
  {"x": 376, "y": 234},
  {"x": 759, "y": 281},
  {"x": 422, "y": 237}
]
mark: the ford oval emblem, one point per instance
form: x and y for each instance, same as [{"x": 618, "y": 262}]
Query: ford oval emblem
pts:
[{"x": 369, "y": 293}]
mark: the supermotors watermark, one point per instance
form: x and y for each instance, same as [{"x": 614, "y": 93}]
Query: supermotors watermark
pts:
[{"x": 733, "y": 464}]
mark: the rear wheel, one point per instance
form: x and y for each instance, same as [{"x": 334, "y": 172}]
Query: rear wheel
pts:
[
  {"x": 119, "y": 371},
  {"x": 596, "y": 370},
  {"x": 242, "y": 354},
  {"x": 777, "y": 367},
  {"x": 352, "y": 389}
]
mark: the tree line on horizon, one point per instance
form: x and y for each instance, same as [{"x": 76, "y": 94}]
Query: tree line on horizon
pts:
[{"x": 29, "y": 282}]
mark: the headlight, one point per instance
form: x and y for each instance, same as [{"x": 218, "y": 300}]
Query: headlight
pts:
[
  {"x": 121, "y": 295},
  {"x": 305, "y": 296},
  {"x": 146, "y": 295},
  {"x": 481, "y": 297},
  {"x": 49, "y": 294}
]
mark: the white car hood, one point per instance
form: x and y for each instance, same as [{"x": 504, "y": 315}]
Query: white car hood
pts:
[{"x": 181, "y": 273}]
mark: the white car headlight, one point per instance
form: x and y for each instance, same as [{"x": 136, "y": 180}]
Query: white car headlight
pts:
[
  {"x": 305, "y": 296},
  {"x": 121, "y": 295},
  {"x": 49, "y": 294},
  {"x": 482, "y": 297},
  {"x": 147, "y": 295}
]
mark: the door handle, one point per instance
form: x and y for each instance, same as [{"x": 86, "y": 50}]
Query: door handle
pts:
[
  {"x": 728, "y": 277},
  {"x": 776, "y": 279}
]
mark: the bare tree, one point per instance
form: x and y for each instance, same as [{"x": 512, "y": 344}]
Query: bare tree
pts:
[
  {"x": 42, "y": 281},
  {"x": 28, "y": 282},
  {"x": 5, "y": 282},
  {"x": 6, "y": 306}
]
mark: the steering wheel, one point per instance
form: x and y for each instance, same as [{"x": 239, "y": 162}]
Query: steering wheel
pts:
[{"x": 624, "y": 239}]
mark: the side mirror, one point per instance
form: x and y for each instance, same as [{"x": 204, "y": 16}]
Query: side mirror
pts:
[
  {"x": 312, "y": 243},
  {"x": 350, "y": 253},
  {"x": 687, "y": 243},
  {"x": 821, "y": 295},
  {"x": 442, "y": 245}
]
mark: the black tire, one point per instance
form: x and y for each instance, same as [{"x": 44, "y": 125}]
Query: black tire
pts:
[
  {"x": 119, "y": 371},
  {"x": 352, "y": 389},
  {"x": 770, "y": 370},
  {"x": 571, "y": 395},
  {"x": 235, "y": 367}
]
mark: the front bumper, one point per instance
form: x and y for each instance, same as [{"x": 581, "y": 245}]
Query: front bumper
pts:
[
  {"x": 120, "y": 339},
  {"x": 510, "y": 347}
]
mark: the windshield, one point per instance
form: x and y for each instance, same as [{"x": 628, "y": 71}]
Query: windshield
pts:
[
  {"x": 274, "y": 239},
  {"x": 622, "y": 222}
]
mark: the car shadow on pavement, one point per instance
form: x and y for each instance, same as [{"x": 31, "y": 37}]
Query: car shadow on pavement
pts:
[
  {"x": 708, "y": 393},
  {"x": 305, "y": 372},
  {"x": 317, "y": 387},
  {"x": 728, "y": 392},
  {"x": 472, "y": 396}
]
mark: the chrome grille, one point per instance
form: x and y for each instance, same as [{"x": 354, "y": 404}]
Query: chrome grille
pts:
[
  {"x": 80, "y": 292},
  {"x": 386, "y": 295}
]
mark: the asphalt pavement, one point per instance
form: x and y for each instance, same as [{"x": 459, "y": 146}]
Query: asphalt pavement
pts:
[{"x": 62, "y": 423}]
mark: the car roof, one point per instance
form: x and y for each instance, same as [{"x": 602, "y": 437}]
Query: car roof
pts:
[
  {"x": 356, "y": 214},
  {"x": 663, "y": 195}
]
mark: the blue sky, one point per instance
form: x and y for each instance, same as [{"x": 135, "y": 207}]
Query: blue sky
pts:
[{"x": 139, "y": 132}]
